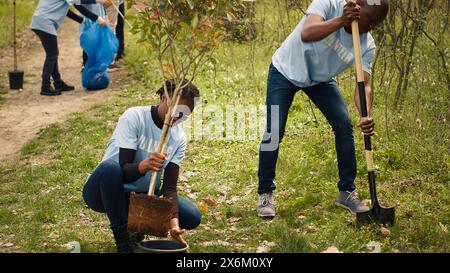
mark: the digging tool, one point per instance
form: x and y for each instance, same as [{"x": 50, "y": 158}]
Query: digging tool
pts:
[
  {"x": 15, "y": 77},
  {"x": 148, "y": 213},
  {"x": 377, "y": 213}
]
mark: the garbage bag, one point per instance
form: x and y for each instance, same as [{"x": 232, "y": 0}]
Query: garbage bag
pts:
[{"x": 101, "y": 45}]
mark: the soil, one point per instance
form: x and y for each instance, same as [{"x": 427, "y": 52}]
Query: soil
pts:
[{"x": 23, "y": 113}]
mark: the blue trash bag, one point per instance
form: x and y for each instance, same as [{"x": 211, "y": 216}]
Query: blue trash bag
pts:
[{"x": 101, "y": 45}]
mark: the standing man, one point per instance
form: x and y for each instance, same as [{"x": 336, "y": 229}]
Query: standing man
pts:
[
  {"x": 120, "y": 34},
  {"x": 320, "y": 48}
]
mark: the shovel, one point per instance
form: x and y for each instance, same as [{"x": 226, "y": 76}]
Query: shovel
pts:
[
  {"x": 150, "y": 214},
  {"x": 377, "y": 213},
  {"x": 16, "y": 76}
]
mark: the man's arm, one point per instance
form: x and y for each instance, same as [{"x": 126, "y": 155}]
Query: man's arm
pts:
[
  {"x": 316, "y": 28},
  {"x": 366, "y": 124}
]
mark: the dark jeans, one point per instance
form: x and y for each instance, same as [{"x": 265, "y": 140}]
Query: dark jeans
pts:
[
  {"x": 104, "y": 192},
  {"x": 50, "y": 69},
  {"x": 327, "y": 97},
  {"x": 120, "y": 32}
]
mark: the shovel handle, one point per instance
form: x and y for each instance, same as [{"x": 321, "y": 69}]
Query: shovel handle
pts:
[
  {"x": 14, "y": 35},
  {"x": 165, "y": 136},
  {"x": 364, "y": 113},
  {"x": 161, "y": 146}
]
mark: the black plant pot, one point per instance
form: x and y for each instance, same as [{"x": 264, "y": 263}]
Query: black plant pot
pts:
[
  {"x": 161, "y": 246},
  {"x": 16, "y": 79}
]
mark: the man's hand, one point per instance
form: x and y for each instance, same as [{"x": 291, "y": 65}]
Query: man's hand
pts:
[
  {"x": 101, "y": 21},
  {"x": 367, "y": 125},
  {"x": 104, "y": 2},
  {"x": 176, "y": 233},
  {"x": 352, "y": 12},
  {"x": 153, "y": 163}
]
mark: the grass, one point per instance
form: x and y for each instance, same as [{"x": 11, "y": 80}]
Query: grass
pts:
[
  {"x": 41, "y": 208},
  {"x": 24, "y": 12}
]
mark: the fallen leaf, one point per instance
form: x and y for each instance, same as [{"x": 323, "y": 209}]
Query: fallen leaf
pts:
[
  {"x": 203, "y": 208},
  {"x": 311, "y": 229},
  {"x": 8, "y": 245},
  {"x": 233, "y": 219},
  {"x": 374, "y": 247},
  {"x": 409, "y": 214},
  {"x": 210, "y": 202},
  {"x": 264, "y": 247},
  {"x": 366, "y": 202},
  {"x": 386, "y": 232},
  {"x": 332, "y": 249}
]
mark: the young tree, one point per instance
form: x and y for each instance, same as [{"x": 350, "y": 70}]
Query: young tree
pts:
[{"x": 184, "y": 34}]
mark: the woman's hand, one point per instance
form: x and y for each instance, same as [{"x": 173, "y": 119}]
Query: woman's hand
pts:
[
  {"x": 101, "y": 21},
  {"x": 154, "y": 163},
  {"x": 176, "y": 233}
]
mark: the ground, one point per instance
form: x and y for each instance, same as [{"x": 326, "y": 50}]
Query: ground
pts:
[
  {"x": 41, "y": 208},
  {"x": 25, "y": 112}
]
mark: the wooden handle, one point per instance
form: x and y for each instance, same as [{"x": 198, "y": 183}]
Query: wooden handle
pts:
[
  {"x": 358, "y": 56},
  {"x": 14, "y": 35},
  {"x": 165, "y": 134}
]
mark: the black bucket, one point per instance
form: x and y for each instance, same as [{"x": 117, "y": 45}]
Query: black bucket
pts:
[
  {"x": 161, "y": 246},
  {"x": 16, "y": 79}
]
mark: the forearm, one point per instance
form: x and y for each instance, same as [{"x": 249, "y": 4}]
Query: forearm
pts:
[
  {"x": 174, "y": 223},
  {"x": 130, "y": 170},
  {"x": 169, "y": 187},
  {"x": 86, "y": 13},
  {"x": 369, "y": 99},
  {"x": 316, "y": 31},
  {"x": 72, "y": 15}
]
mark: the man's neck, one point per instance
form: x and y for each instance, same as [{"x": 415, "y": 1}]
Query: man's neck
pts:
[{"x": 159, "y": 122}]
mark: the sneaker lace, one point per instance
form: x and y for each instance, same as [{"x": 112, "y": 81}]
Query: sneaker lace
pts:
[
  {"x": 353, "y": 197},
  {"x": 265, "y": 199}
]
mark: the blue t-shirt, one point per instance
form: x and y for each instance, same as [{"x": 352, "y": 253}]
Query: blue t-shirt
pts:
[
  {"x": 308, "y": 64},
  {"x": 49, "y": 14},
  {"x": 136, "y": 130}
]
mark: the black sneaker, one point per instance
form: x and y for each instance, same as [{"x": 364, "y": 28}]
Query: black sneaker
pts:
[
  {"x": 50, "y": 92},
  {"x": 123, "y": 243},
  {"x": 63, "y": 87}
]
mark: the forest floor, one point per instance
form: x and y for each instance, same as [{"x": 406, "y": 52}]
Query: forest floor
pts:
[{"x": 41, "y": 207}]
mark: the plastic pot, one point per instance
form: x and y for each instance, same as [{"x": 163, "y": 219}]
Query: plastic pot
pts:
[
  {"x": 16, "y": 79},
  {"x": 161, "y": 246}
]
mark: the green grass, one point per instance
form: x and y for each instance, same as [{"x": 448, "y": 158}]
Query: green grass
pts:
[
  {"x": 40, "y": 195},
  {"x": 24, "y": 12}
]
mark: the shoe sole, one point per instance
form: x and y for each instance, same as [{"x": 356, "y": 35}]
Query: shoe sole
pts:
[
  {"x": 266, "y": 216},
  {"x": 344, "y": 207},
  {"x": 50, "y": 95},
  {"x": 68, "y": 90}
]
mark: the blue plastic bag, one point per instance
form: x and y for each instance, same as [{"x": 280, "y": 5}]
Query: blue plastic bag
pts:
[{"x": 101, "y": 45}]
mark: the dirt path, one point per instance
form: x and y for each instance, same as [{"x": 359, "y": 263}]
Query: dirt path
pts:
[{"x": 24, "y": 113}]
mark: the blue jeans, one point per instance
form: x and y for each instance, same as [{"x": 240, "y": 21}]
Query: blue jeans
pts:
[
  {"x": 104, "y": 192},
  {"x": 327, "y": 97}
]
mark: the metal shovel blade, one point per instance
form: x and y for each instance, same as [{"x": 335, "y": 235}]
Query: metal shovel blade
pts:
[
  {"x": 377, "y": 214},
  {"x": 149, "y": 214}
]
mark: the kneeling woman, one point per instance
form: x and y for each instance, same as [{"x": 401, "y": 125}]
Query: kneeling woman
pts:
[{"x": 129, "y": 161}]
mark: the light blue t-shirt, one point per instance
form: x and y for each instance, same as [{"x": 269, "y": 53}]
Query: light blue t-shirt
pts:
[
  {"x": 97, "y": 9},
  {"x": 136, "y": 130},
  {"x": 49, "y": 14},
  {"x": 308, "y": 64}
]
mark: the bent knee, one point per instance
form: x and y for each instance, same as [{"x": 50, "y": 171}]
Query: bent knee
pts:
[
  {"x": 110, "y": 168},
  {"x": 191, "y": 220}
]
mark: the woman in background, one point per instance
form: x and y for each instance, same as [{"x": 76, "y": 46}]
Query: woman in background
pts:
[{"x": 47, "y": 18}]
